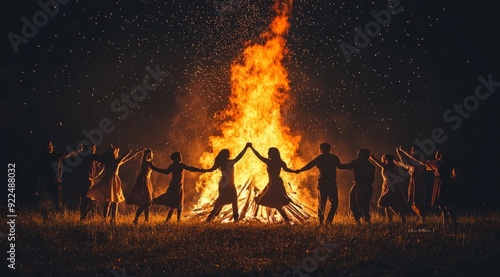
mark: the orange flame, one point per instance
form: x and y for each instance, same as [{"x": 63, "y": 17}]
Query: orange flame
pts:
[{"x": 259, "y": 88}]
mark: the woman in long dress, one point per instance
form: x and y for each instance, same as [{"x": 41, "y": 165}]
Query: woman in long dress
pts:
[
  {"x": 445, "y": 191},
  {"x": 416, "y": 186},
  {"x": 392, "y": 197},
  {"x": 174, "y": 196},
  {"x": 274, "y": 194},
  {"x": 227, "y": 188},
  {"x": 142, "y": 191},
  {"x": 109, "y": 188}
]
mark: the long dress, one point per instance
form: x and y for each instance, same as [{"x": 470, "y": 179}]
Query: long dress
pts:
[
  {"x": 109, "y": 187},
  {"x": 142, "y": 191},
  {"x": 227, "y": 188},
  {"x": 416, "y": 188},
  {"x": 274, "y": 194},
  {"x": 174, "y": 196},
  {"x": 392, "y": 195},
  {"x": 444, "y": 192}
]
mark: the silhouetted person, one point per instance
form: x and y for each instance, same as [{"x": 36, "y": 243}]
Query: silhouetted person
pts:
[
  {"x": 87, "y": 171},
  {"x": 109, "y": 188},
  {"x": 174, "y": 196},
  {"x": 445, "y": 191},
  {"x": 50, "y": 170},
  {"x": 392, "y": 197},
  {"x": 141, "y": 194},
  {"x": 274, "y": 194},
  {"x": 362, "y": 191},
  {"x": 327, "y": 164},
  {"x": 227, "y": 188},
  {"x": 416, "y": 185}
]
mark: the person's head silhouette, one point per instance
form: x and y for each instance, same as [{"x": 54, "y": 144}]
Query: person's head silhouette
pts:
[
  {"x": 176, "y": 156},
  {"x": 387, "y": 159},
  {"x": 274, "y": 154},
  {"x": 363, "y": 154},
  {"x": 325, "y": 148}
]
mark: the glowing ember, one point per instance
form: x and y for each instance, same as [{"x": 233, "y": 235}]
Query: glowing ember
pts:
[{"x": 259, "y": 88}]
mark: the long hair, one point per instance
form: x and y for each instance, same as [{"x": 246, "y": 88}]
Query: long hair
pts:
[
  {"x": 146, "y": 156},
  {"x": 274, "y": 154},
  {"x": 222, "y": 157},
  {"x": 388, "y": 158}
]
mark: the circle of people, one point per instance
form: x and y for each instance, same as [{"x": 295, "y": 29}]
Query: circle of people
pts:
[{"x": 101, "y": 182}]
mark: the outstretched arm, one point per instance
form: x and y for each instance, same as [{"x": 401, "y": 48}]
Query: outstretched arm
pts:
[
  {"x": 308, "y": 166},
  {"x": 287, "y": 169},
  {"x": 161, "y": 170},
  {"x": 345, "y": 166},
  {"x": 214, "y": 167},
  {"x": 194, "y": 169},
  {"x": 376, "y": 161},
  {"x": 264, "y": 160}
]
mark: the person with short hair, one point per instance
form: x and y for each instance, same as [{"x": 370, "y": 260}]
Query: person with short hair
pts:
[
  {"x": 327, "y": 163},
  {"x": 362, "y": 191},
  {"x": 50, "y": 171}
]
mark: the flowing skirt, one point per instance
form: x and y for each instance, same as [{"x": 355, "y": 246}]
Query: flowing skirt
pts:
[
  {"x": 142, "y": 191},
  {"x": 444, "y": 192},
  {"x": 391, "y": 196},
  {"x": 173, "y": 198},
  {"x": 274, "y": 195},
  {"x": 227, "y": 195},
  {"x": 108, "y": 189}
]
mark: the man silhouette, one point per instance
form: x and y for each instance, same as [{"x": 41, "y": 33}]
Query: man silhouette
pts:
[
  {"x": 327, "y": 164},
  {"x": 50, "y": 171},
  {"x": 362, "y": 190}
]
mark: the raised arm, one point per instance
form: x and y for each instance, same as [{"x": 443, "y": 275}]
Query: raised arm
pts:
[
  {"x": 264, "y": 160},
  {"x": 376, "y": 161},
  {"x": 412, "y": 160},
  {"x": 127, "y": 157},
  {"x": 72, "y": 153},
  {"x": 401, "y": 161},
  {"x": 240, "y": 155}
]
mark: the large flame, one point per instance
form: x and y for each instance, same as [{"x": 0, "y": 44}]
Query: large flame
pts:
[{"x": 259, "y": 90}]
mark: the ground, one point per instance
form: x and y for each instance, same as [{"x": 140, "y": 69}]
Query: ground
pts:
[{"x": 64, "y": 246}]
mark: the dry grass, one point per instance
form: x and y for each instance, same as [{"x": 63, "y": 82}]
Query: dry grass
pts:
[{"x": 63, "y": 246}]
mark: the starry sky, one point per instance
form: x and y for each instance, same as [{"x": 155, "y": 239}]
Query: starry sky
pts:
[{"x": 395, "y": 90}]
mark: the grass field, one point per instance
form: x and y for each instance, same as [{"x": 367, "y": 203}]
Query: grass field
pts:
[{"x": 64, "y": 246}]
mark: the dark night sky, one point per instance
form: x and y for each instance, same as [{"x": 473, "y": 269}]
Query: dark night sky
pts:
[{"x": 393, "y": 92}]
